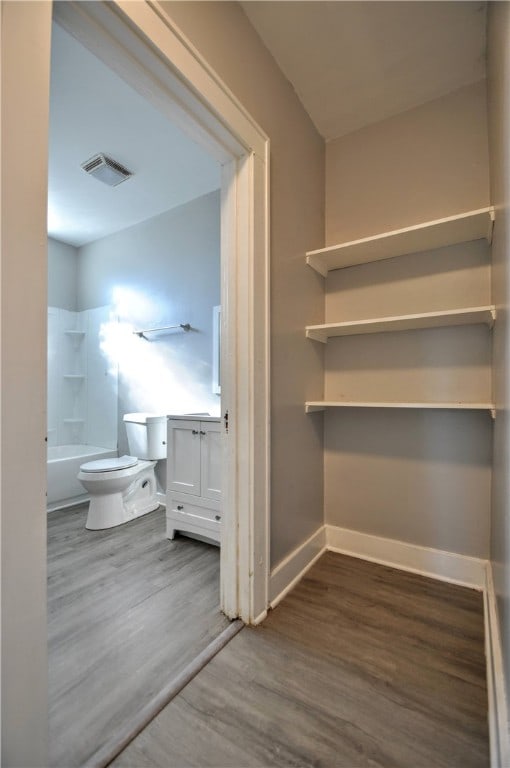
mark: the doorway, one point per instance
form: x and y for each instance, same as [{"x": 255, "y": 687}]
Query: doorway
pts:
[
  {"x": 165, "y": 80},
  {"x": 133, "y": 278}
]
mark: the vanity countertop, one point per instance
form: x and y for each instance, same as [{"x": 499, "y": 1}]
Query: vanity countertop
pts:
[{"x": 194, "y": 417}]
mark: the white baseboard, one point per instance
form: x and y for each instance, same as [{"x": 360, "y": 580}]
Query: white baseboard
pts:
[
  {"x": 161, "y": 498},
  {"x": 75, "y": 501},
  {"x": 287, "y": 573},
  {"x": 436, "y": 563},
  {"x": 259, "y": 619},
  {"x": 498, "y": 707}
]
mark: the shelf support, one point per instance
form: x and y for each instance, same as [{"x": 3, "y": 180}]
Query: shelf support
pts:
[
  {"x": 493, "y": 413},
  {"x": 492, "y": 215},
  {"x": 493, "y": 318},
  {"x": 313, "y": 408},
  {"x": 316, "y": 263},
  {"x": 317, "y": 336}
]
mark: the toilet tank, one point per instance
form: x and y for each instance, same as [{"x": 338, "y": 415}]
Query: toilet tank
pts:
[{"x": 146, "y": 434}]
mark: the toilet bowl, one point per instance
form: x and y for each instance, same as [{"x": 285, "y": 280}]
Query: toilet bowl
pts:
[{"x": 125, "y": 488}]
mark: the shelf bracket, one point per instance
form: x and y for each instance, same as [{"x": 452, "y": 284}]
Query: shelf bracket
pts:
[
  {"x": 492, "y": 217},
  {"x": 316, "y": 336},
  {"x": 315, "y": 263},
  {"x": 493, "y": 318},
  {"x": 493, "y": 413},
  {"x": 313, "y": 408}
]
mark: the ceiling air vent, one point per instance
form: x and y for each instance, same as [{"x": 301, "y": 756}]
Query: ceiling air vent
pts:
[{"x": 105, "y": 169}]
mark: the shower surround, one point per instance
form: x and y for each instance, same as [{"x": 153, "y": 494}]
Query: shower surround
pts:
[{"x": 82, "y": 400}]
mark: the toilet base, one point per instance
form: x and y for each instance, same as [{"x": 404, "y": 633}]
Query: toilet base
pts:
[
  {"x": 121, "y": 496},
  {"x": 110, "y": 511}
]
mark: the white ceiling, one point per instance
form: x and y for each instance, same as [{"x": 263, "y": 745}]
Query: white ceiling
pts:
[
  {"x": 355, "y": 63},
  {"x": 92, "y": 110}
]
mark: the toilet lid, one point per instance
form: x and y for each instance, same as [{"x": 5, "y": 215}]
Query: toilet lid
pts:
[{"x": 109, "y": 465}]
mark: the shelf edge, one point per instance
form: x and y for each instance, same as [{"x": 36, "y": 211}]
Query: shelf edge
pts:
[
  {"x": 314, "y": 258},
  {"x": 321, "y": 332},
  {"x": 318, "y": 405}
]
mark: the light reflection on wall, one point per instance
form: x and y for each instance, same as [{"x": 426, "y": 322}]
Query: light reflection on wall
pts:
[{"x": 155, "y": 376}]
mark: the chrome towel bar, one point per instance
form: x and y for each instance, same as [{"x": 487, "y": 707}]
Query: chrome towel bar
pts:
[{"x": 181, "y": 327}]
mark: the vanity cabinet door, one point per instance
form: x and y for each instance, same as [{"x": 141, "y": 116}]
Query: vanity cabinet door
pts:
[
  {"x": 183, "y": 465},
  {"x": 211, "y": 460}
]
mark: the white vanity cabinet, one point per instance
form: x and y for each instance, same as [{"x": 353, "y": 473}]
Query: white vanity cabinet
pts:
[{"x": 193, "y": 499}]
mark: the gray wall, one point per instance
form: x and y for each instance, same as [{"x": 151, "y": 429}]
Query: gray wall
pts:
[
  {"x": 420, "y": 477},
  {"x": 223, "y": 35},
  {"x": 423, "y": 164},
  {"x": 62, "y": 275},
  {"x": 163, "y": 271},
  {"x": 499, "y": 133}
]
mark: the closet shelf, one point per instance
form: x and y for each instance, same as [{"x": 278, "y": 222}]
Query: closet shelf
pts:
[
  {"x": 74, "y": 376},
  {"x": 75, "y": 333},
  {"x": 465, "y": 316},
  {"x": 471, "y": 225},
  {"x": 321, "y": 405},
  {"x": 74, "y": 421}
]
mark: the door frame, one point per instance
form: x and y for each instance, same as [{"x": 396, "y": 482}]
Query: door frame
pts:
[{"x": 142, "y": 44}]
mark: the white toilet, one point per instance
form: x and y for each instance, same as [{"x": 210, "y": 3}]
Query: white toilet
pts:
[{"x": 125, "y": 488}]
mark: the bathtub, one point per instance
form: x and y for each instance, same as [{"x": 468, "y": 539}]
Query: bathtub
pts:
[{"x": 64, "y": 489}]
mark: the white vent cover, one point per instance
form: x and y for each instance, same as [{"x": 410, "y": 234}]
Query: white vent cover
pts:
[{"x": 105, "y": 169}]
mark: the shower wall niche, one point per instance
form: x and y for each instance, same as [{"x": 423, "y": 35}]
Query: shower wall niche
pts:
[{"x": 82, "y": 383}]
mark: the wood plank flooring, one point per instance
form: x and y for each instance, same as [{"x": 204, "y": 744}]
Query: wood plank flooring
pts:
[
  {"x": 360, "y": 665},
  {"x": 127, "y": 611}
]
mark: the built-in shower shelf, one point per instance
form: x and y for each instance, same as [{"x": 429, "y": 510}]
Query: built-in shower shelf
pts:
[
  {"x": 74, "y": 376},
  {"x": 74, "y": 421}
]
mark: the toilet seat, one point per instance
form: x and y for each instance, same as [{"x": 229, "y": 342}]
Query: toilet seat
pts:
[{"x": 109, "y": 465}]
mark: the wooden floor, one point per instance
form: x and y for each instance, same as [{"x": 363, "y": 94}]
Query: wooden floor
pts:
[
  {"x": 361, "y": 665},
  {"x": 127, "y": 610}
]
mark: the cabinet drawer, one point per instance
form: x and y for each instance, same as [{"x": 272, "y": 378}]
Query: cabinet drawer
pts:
[{"x": 193, "y": 511}]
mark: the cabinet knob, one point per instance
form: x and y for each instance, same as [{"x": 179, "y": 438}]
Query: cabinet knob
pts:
[
  {"x": 217, "y": 517},
  {"x": 194, "y": 431},
  {"x": 202, "y": 432},
  {"x": 179, "y": 506}
]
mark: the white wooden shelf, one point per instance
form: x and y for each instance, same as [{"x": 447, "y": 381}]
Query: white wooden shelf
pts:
[
  {"x": 74, "y": 421},
  {"x": 471, "y": 225},
  {"x": 74, "y": 376},
  {"x": 75, "y": 333},
  {"x": 322, "y": 405},
  {"x": 450, "y": 317}
]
